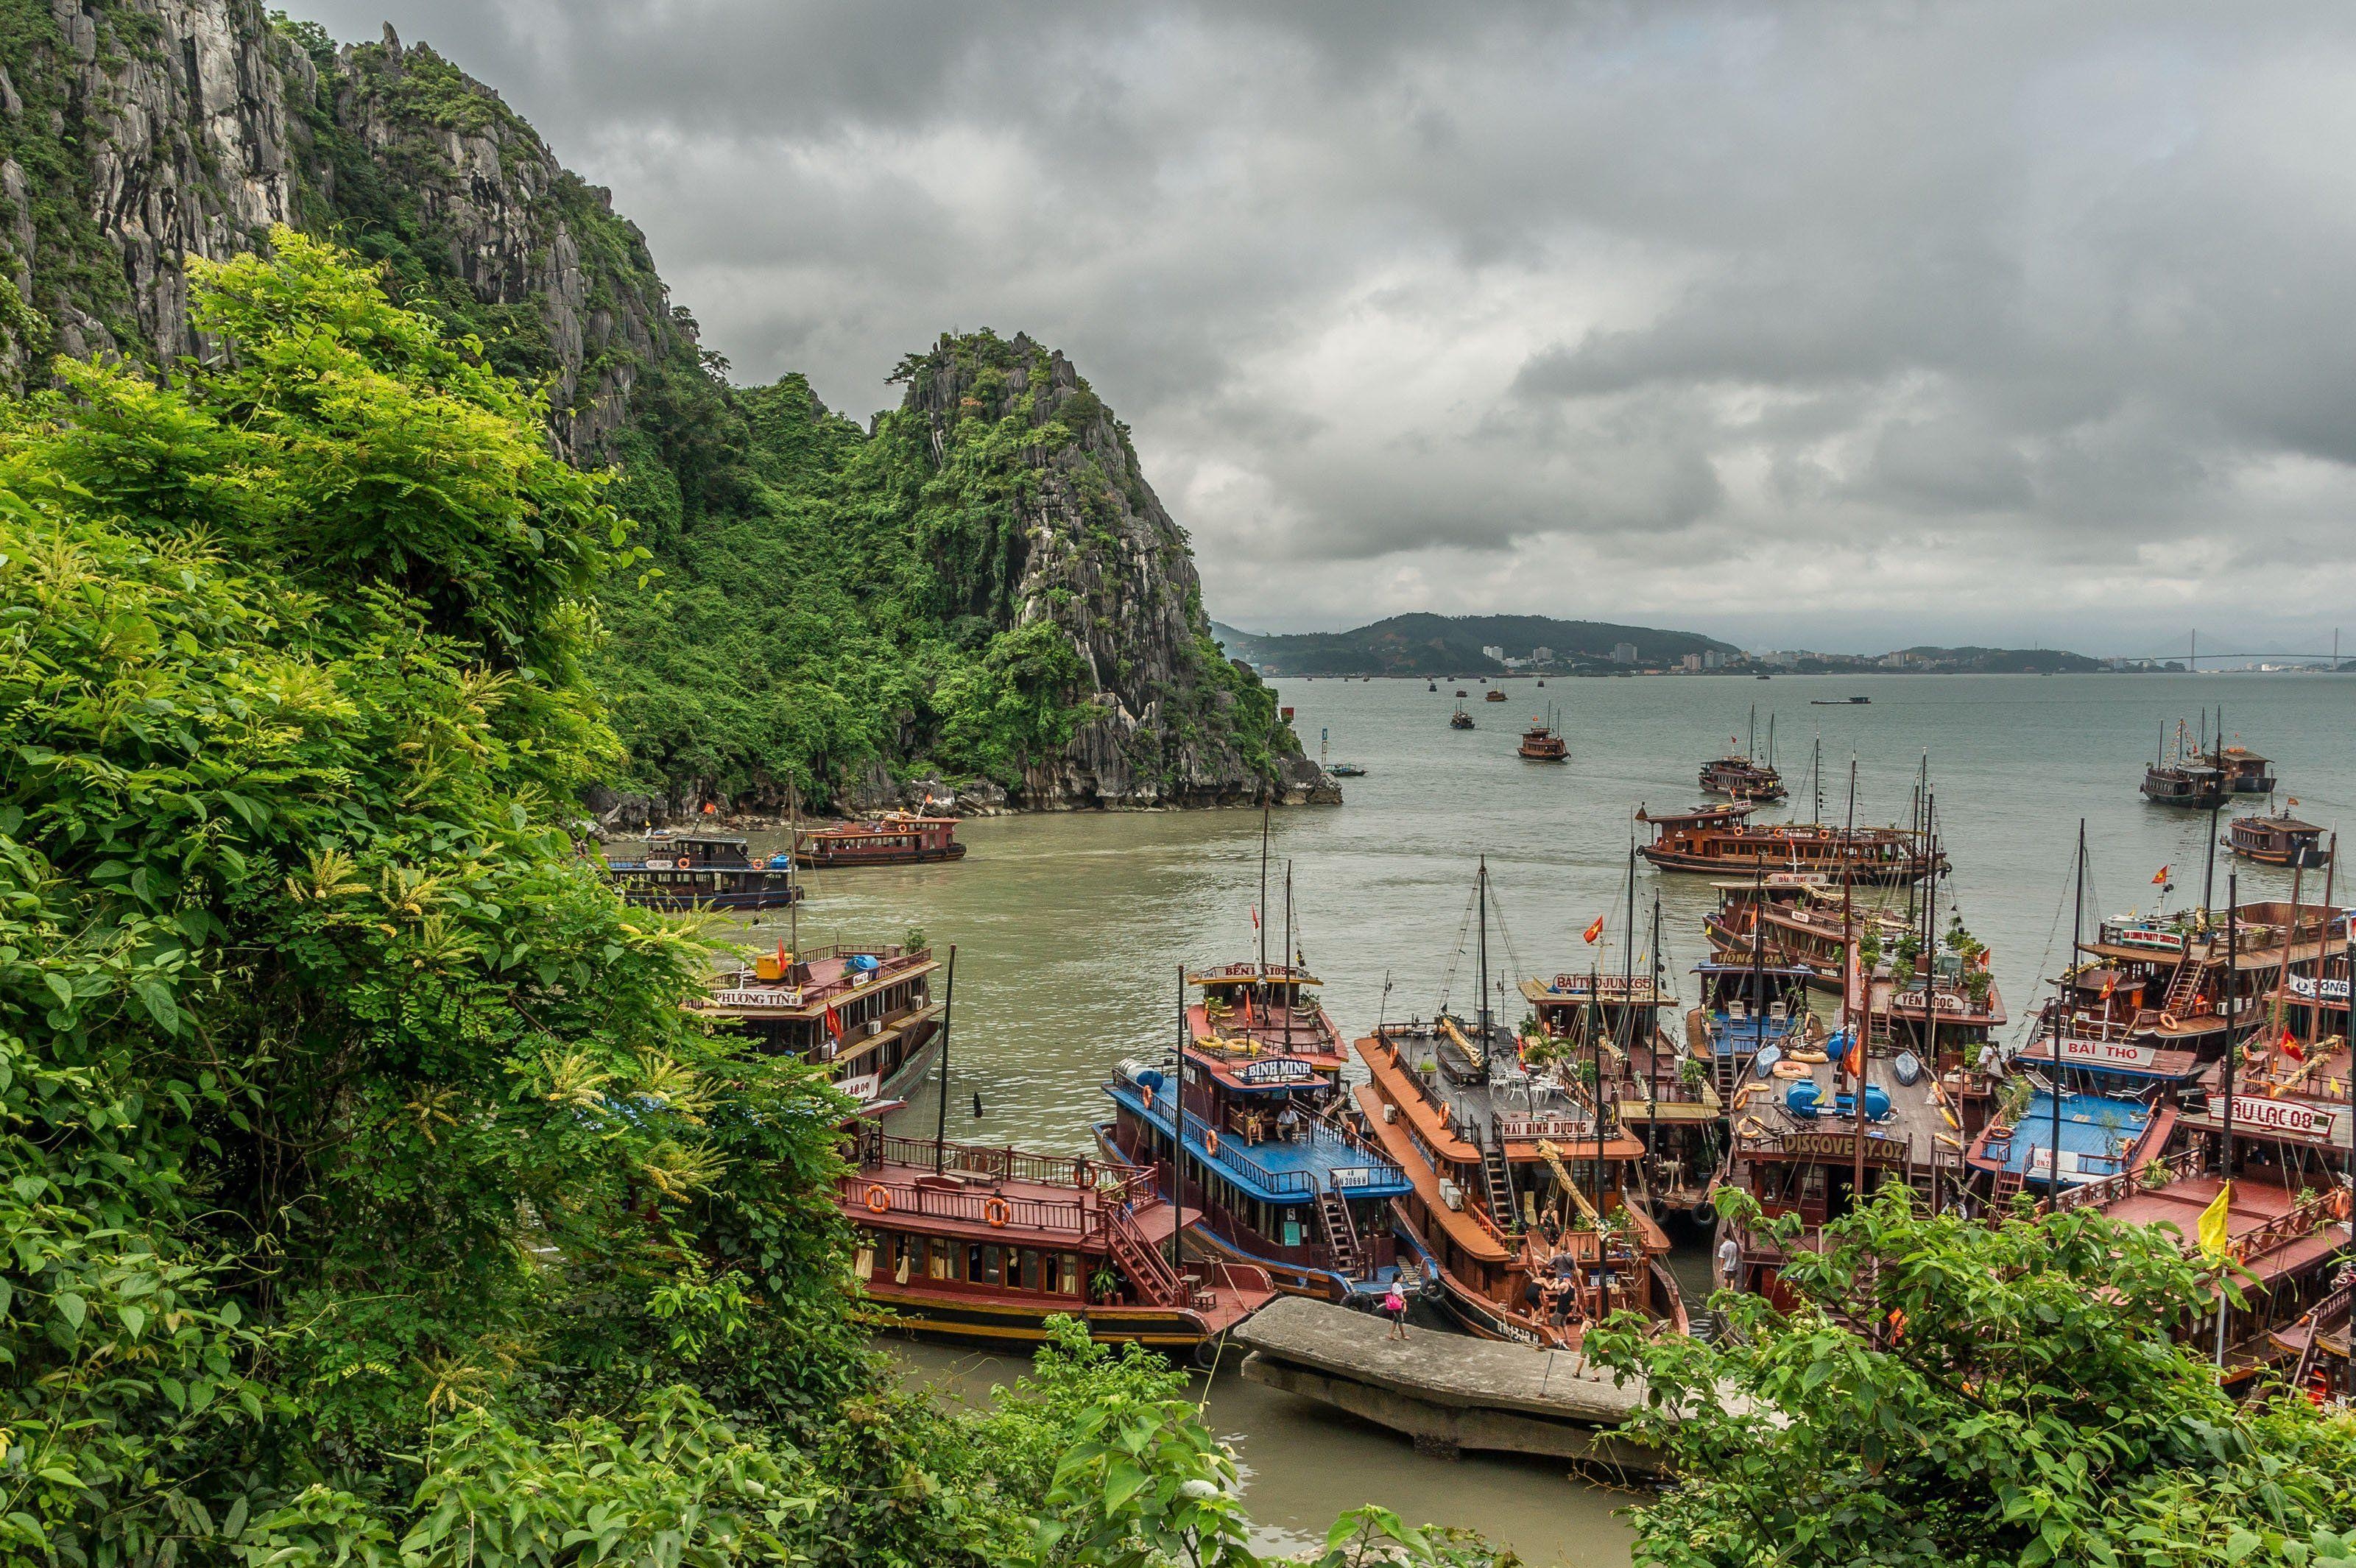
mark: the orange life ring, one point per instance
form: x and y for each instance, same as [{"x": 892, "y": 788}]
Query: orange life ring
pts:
[
  {"x": 1210, "y": 1140},
  {"x": 995, "y": 1211},
  {"x": 2168, "y": 1020},
  {"x": 1145, "y": 1093},
  {"x": 878, "y": 1199}
]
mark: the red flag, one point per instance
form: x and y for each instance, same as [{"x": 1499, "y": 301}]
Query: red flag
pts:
[
  {"x": 1594, "y": 931},
  {"x": 1255, "y": 912},
  {"x": 2110, "y": 984},
  {"x": 1854, "y": 1063},
  {"x": 2290, "y": 1045},
  {"x": 2160, "y": 877},
  {"x": 833, "y": 1022},
  {"x": 781, "y": 957}
]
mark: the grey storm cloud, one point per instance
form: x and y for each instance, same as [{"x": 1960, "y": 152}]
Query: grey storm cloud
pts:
[{"x": 1971, "y": 321}]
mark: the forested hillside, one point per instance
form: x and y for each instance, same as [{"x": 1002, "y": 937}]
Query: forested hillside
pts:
[{"x": 985, "y": 593}]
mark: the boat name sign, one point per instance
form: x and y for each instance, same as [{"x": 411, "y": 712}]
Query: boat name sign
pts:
[
  {"x": 1841, "y": 1145},
  {"x": 2332, "y": 990},
  {"x": 1278, "y": 1070},
  {"x": 2103, "y": 1052},
  {"x": 790, "y": 997},
  {"x": 2293, "y": 1116}
]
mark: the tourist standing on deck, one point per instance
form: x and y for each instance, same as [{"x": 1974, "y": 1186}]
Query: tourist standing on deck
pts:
[{"x": 1730, "y": 1260}]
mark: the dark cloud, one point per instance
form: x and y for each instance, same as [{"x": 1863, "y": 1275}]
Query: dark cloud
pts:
[{"x": 1982, "y": 321}]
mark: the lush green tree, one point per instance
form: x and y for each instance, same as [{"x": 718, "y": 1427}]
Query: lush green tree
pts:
[
  {"x": 1942, "y": 1391},
  {"x": 368, "y": 1196}
]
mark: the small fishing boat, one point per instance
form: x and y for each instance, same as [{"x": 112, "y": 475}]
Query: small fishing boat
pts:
[
  {"x": 1431, "y": 686},
  {"x": 2281, "y": 839},
  {"x": 898, "y": 840},
  {"x": 1460, "y": 691},
  {"x": 1835, "y": 701},
  {"x": 1540, "y": 744},
  {"x": 1347, "y": 771},
  {"x": 1459, "y": 720},
  {"x": 704, "y": 870}
]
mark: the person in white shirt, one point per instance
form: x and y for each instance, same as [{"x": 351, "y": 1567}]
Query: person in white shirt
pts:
[{"x": 1730, "y": 1259}]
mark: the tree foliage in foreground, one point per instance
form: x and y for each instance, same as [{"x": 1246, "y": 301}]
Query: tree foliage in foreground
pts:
[
  {"x": 1952, "y": 1394},
  {"x": 367, "y": 1195}
]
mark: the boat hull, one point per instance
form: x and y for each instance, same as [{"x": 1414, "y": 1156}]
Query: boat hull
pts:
[
  {"x": 965, "y": 1319},
  {"x": 839, "y": 859}
]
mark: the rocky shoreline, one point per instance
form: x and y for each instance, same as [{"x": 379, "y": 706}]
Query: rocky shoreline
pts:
[{"x": 618, "y": 811}]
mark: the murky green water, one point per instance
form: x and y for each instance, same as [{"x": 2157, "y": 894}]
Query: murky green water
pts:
[{"x": 1070, "y": 930}]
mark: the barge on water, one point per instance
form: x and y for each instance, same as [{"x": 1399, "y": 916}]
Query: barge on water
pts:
[
  {"x": 964, "y": 1242},
  {"x": 704, "y": 870},
  {"x": 865, "y": 1014},
  {"x": 896, "y": 840},
  {"x": 1721, "y": 838}
]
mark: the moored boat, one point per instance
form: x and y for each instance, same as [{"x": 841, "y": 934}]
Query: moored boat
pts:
[
  {"x": 1526, "y": 1215},
  {"x": 704, "y": 870},
  {"x": 865, "y": 1014},
  {"x": 1722, "y": 838},
  {"x": 966, "y": 1242},
  {"x": 1494, "y": 693},
  {"x": 1742, "y": 774},
  {"x": 897, "y": 839},
  {"x": 2277, "y": 840}
]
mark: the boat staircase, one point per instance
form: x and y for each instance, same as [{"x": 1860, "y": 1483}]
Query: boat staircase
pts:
[
  {"x": 2010, "y": 1181},
  {"x": 1341, "y": 1239},
  {"x": 2335, "y": 1305},
  {"x": 2182, "y": 987},
  {"x": 1497, "y": 1175},
  {"x": 1153, "y": 1274}
]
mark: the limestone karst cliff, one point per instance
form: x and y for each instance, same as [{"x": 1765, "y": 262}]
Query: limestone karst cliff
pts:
[{"x": 1021, "y": 623}]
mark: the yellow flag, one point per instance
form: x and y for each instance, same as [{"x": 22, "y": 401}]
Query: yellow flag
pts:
[{"x": 2213, "y": 1234}]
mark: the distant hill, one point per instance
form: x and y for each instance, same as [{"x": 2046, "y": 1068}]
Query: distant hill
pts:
[
  {"x": 1451, "y": 645},
  {"x": 2006, "y": 661}
]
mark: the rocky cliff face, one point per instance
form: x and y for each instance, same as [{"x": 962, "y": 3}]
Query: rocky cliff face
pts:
[
  {"x": 135, "y": 133},
  {"x": 141, "y": 132},
  {"x": 1171, "y": 721}
]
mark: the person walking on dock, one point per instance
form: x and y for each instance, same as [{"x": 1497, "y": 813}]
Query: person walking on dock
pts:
[{"x": 1395, "y": 1308}]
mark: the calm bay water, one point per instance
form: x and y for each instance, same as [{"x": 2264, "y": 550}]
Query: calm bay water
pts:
[{"x": 1070, "y": 929}]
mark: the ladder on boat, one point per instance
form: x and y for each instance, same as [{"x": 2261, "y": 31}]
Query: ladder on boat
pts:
[
  {"x": 2182, "y": 989},
  {"x": 1142, "y": 1262},
  {"x": 1498, "y": 1177},
  {"x": 1341, "y": 1239},
  {"x": 2010, "y": 1181}
]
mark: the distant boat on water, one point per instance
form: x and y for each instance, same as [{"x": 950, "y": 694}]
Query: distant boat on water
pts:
[
  {"x": 1835, "y": 701},
  {"x": 1347, "y": 771}
]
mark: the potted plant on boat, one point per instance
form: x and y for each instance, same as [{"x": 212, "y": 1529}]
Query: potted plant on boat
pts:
[{"x": 2011, "y": 1101}]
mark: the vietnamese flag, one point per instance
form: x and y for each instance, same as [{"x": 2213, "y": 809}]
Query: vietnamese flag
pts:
[
  {"x": 2160, "y": 877},
  {"x": 833, "y": 1022},
  {"x": 1594, "y": 932}
]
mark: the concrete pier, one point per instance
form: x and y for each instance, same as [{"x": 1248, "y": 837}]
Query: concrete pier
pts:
[{"x": 1446, "y": 1391}]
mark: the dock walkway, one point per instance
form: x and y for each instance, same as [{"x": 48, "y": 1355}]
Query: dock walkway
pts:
[{"x": 1446, "y": 1391}]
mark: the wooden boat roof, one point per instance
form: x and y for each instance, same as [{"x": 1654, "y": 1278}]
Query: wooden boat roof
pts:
[
  {"x": 1698, "y": 816},
  {"x": 2280, "y": 824}
]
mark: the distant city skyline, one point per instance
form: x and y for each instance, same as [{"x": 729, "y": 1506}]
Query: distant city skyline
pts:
[{"x": 2008, "y": 322}]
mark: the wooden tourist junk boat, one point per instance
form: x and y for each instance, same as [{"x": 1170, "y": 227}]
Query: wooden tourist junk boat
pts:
[
  {"x": 704, "y": 870},
  {"x": 1659, "y": 1092},
  {"x": 964, "y": 1242},
  {"x": 896, "y": 840},
  {"x": 1494, "y": 693},
  {"x": 1459, "y": 720},
  {"x": 1722, "y": 838},
  {"x": 1741, "y": 774},
  {"x": 2199, "y": 773},
  {"x": 1525, "y": 1217},
  {"x": 1800, "y": 914},
  {"x": 866, "y": 1013},
  {"x": 2279, "y": 839},
  {"x": 1275, "y": 1171},
  {"x": 1541, "y": 743}
]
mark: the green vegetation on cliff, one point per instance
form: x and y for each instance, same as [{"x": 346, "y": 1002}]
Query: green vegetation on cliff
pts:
[{"x": 369, "y": 1197}]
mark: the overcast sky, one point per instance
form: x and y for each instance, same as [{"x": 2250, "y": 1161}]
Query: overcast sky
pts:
[{"x": 1840, "y": 325}]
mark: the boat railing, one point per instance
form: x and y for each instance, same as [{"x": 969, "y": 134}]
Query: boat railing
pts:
[
  {"x": 1075, "y": 1216},
  {"x": 2126, "y": 1183},
  {"x": 996, "y": 1162},
  {"x": 2304, "y": 1219}
]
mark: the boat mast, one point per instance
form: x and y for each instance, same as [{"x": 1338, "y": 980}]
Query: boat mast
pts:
[
  {"x": 1863, "y": 1027},
  {"x": 1262, "y": 911},
  {"x": 942, "y": 1113},
  {"x": 793, "y": 866},
  {"x": 1759, "y": 944},
  {"x": 2077, "y": 935},
  {"x": 1481, "y": 885},
  {"x": 2233, "y": 1015},
  {"x": 1771, "y": 738},
  {"x": 1178, "y": 1130},
  {"x": 1292, "y": 989},
  {"x": 1816, "y": 772},
  {"x": 1753, "y": 753},
  {"x": 1653, "y": 1038},
  {"x": 2322, "y": 940}
]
